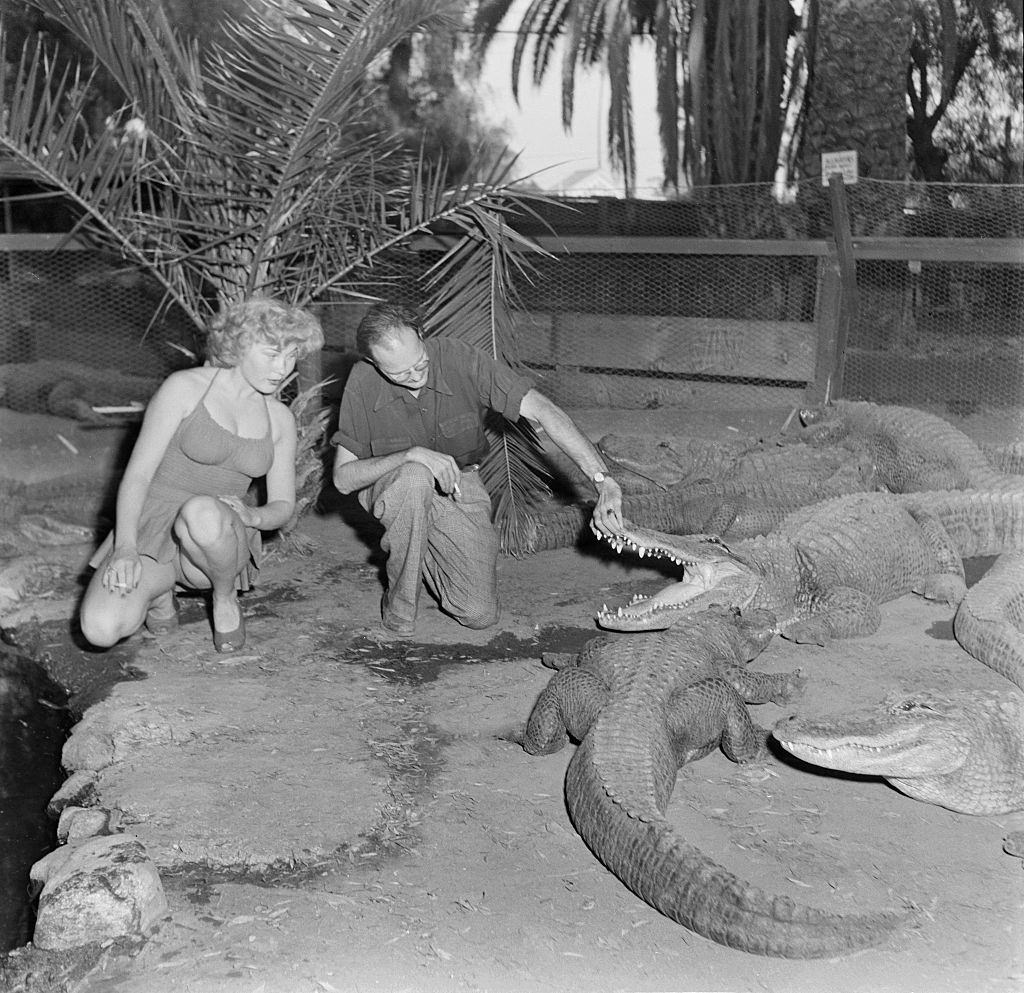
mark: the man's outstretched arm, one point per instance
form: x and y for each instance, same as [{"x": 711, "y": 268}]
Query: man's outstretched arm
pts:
[{"x": 565, "y": 433}]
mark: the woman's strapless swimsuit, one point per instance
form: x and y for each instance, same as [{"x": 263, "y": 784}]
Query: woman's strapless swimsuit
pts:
[{"x": 202, "y": 459}]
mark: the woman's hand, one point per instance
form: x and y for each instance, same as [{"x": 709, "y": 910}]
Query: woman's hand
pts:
[
  {"x": 122, "y": 572},
  {"x": 250, "y": 516}
]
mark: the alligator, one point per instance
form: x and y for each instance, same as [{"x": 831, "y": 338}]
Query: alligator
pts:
[
  {"x": 733, "y": 508},
  {"x": 962, "y": 749},
  {"x": 827, "y": 568},
  {"x": 740, "y": 488},
  {"x": 911, "y": 450},
  {"x": 989, "y": 624},
  {"x": 640, "y": 708},
  {"x": 675, "y": 460},
  {"x": 71, "y": 390},
  {"x": 1005, "y": 458}
]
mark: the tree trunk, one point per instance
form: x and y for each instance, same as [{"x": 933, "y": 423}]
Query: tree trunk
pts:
[{"x": 858, "y": 98}]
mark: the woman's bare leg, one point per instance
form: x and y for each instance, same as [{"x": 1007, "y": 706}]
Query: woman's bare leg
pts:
[
  {"x": 107, "y": 615},
  {"x": 213, "y": 553}
]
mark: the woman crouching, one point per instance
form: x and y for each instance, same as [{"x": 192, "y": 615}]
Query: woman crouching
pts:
[{"x": 181, "y": 520}]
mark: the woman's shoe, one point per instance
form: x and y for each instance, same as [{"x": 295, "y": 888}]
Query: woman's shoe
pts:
[
  {"x": 159, "y": 623},
  {"x": 231, "y": 641}
]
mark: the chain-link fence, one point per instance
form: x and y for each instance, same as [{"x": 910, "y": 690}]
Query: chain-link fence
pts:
[
  {"x": 77, "y": 330},
  {"x": 732, "y": 296},
  {"x": 729, "y": 297}
]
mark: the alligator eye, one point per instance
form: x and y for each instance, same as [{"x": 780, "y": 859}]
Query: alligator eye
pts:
[{"x": 909, "y": 706}]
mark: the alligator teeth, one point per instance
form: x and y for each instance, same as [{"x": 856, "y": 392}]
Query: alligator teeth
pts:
[{"x": 641, "y": 551}]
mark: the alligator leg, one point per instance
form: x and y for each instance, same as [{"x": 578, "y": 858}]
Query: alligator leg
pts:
[
  {"x": 948, "y": 584},
  {"x": 565, "y": 709},
  {"x": 710, "y": 714},
  {"x": 842, "y": 612},
  {"x": 765, "y": 687}
]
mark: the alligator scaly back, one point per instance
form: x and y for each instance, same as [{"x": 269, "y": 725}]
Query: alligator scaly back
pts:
[
  {"x": 643, "y": 706},
  {"x": 911, "y": 450}
]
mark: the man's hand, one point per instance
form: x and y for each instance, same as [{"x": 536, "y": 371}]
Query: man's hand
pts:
[
  {"x": 444, "y": 468},
  {"x": 607, "y": 518}
]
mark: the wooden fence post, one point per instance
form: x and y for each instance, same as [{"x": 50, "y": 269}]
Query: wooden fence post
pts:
[
  {"x": 849, "y": 298},
  {"x": 828, "y": 315}
]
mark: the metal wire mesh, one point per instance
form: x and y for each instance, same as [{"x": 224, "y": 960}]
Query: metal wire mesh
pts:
[
  {"x": 658, "y": 303},
  {"x": 76, "y": 306},
  {"x": 719, "y": 298}
]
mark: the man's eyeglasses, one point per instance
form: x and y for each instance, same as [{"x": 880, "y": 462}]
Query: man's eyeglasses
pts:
[{"x": 410, "y": 372}]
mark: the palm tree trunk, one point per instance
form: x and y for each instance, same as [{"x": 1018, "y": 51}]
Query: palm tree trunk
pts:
[{"x": 859, "y": 92}]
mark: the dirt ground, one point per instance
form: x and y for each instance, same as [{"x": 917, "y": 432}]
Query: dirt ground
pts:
[{"x": 330, "y": 814}]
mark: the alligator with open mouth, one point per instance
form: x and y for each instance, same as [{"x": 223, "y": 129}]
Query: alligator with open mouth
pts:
[
  {"x": 962, "y": 749},
  {"x": 640, "y": 708},
  {"x": 827, "y": 568}
]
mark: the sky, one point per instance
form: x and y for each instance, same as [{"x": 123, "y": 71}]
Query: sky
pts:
[{"x": 534, "y": 127}]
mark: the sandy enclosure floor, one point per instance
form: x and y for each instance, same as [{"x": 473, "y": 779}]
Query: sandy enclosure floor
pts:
[{"x": 331, "y": 814}]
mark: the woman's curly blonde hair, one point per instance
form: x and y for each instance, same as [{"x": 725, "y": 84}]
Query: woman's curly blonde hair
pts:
[{"x": 261, "y": 319}]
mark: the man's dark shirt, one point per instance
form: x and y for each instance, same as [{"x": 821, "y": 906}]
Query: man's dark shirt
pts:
[{"x": 377, "y": 417}]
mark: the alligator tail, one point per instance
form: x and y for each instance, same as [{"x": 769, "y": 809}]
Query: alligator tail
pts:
[
  {"x": 682, "y": 883},
  {"x": 990, "y": 621},
  {"x": 979, "y": 522}
]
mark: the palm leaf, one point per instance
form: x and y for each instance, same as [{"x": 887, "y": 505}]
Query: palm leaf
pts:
[
  {"x": 312, "y": 419},
  {"x": 256, "y": 169}
]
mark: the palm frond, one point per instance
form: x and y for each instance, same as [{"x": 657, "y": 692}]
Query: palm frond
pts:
[
  {"x": 668, "y": 23},
  {"x": 104, "y": 176},
  {"x": 518, "y": 478},
  {"x": 311, "y": 418},
  {"x": 138, "y": 47},
  {"x": 257, "y": 168},
  {"x": 621, "y": 133}
]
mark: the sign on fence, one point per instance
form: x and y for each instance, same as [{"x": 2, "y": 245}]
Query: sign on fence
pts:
[{"x": 844, "y": 163}]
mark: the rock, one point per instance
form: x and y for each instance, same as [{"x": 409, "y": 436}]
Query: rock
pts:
[
  {"x": 78, "y": 823},
  {"x": 76, "y": 790},
  {"x": 110, "y": 731},
  {"x": 106, "y": 887},
  {"x": 48, "y": 865},
  {"x": 87, "y": 750}
]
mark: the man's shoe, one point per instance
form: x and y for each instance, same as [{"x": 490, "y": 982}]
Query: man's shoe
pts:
[
  {"x": 392, "y": 626},
  {"x": 404, "y": 633}
]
